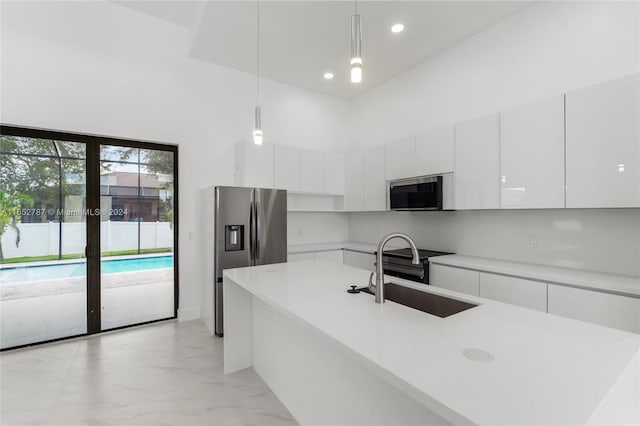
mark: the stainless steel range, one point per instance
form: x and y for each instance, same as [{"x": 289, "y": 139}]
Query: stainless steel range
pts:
[{"x": 397, "y": 263}]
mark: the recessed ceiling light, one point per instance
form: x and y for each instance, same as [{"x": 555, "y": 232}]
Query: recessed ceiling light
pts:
[
  {"x": 397, "y": 28},
  {"x": 328, "y": 75}
]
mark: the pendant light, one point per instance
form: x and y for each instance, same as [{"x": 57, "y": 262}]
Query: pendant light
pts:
[
  {"x": 257, "y": 125},
  {"x": 356, "y": 46}
]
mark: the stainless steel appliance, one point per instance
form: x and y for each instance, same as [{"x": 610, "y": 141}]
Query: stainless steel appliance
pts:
[
  {"x": 398, "y": 263},
  {"x": 433, "y": 192},
  {"x": 250, "y": 229}
]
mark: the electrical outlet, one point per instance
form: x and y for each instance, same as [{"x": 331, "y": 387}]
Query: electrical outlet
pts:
[{"x": 533, "y": 241}]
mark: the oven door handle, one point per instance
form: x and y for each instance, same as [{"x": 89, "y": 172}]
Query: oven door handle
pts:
[{"x": 418, "y": 272}]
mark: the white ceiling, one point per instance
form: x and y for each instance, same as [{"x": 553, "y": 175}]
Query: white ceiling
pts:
[{"x": 300, "y": 40}]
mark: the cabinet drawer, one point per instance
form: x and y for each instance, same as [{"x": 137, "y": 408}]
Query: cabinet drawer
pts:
[
  {"x": 516, "y": 291},
  {"x": 599, "y": 308},
  {"x": 359, "y": 260},
  {"x": 455, "y": 279}
]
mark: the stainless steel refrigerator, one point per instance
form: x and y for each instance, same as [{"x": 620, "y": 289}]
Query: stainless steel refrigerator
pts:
[{"x": 250, "y": 229}]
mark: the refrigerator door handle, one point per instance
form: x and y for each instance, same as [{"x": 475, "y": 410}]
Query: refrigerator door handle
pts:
[
  {"x": 252, "y": 231},
  {"x": 256, "y": 206}
]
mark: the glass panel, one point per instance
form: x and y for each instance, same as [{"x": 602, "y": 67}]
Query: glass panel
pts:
[
  {"x": 136, "y": 236},
  {"x": 43, "y": 235},
  {"x": 119, "y": 153},
  {"x": 23, "y": 145},
  {"x": 71, "y": 149}
]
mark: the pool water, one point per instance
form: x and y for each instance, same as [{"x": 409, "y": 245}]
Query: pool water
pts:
[{"x": 79, "y": 269}]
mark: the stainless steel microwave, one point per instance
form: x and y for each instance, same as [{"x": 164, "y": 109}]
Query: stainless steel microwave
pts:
[{"x": 434, "y": 192}]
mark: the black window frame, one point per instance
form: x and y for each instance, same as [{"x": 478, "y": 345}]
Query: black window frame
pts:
[{"x": 93, "y": 143}]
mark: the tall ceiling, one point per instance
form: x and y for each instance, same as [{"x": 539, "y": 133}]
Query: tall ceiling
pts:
[{"x": 301, "y": 40}]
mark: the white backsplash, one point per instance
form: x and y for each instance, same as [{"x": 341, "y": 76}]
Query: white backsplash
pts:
[
  {"x": 314, "y": 227},
  {"x": 605, "y": 240}
]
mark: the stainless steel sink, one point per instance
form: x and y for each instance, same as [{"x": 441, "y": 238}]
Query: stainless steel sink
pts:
[{"x": 430, "y": 303}]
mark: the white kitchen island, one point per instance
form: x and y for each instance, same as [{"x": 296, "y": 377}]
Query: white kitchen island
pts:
[{"x": 335, "y": 358}]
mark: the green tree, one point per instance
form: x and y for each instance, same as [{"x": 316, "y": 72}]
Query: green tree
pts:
[
  {"x": 33, "y": 167},
  {"x": 10, "y": 206}
]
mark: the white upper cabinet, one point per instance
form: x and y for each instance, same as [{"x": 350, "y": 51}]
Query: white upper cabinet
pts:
[
  {"x": 477, "y": 164},
  {"x": 375, "y": 185},
  {"x": 311, "y": 171},
  {"x": 254, "y": 165},
  {"x": 603, "y": 145},
  {"x": 354, "y": 187},
  {"x": 334, "y": 172},
  {"x": 532, "y": 155},
  {"x": 434, "y": 151},
  {"x": 286, "y": 167},
  {"x": 400, "y": 158}
]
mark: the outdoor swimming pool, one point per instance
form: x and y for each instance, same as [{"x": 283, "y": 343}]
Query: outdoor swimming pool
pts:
[{"x": 79, "y": 269}]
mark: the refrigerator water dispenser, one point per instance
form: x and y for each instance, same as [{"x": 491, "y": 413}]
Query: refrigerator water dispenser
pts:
[{"x": 234, "y": 237}]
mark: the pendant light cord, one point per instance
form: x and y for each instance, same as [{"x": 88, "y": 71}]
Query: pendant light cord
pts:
[{"x": 258, "y": 56}]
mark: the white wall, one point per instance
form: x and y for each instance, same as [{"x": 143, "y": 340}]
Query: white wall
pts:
[
  {"x": 317, "y": 227},
  {"x": 96, "y": 67},
  {"x": 605, "y": 240},
  {"x": 546, "y": 49}
]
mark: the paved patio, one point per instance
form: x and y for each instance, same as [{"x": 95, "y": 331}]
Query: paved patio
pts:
[{"x": 35, "y": 311}]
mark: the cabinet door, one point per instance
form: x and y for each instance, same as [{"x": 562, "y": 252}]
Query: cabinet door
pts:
[
  {"x": 455, "y": 279},
  {"x": 516, "y": 291},
  {"x": 311, "y": 171},
  {"x": 354, "y": 191},
  {"x": 254, "y": 165},
  {"x": 603, "y": 145},
  {"x": 332, "y": 256},
  {"x": 375, "y": 185},
  {"x": 477, "y": 164},
  {"x": 286, "y": 169},
  {"x": 400, "y": 158},
  {"x": 359, "y": 260},
  {"x": 434, "y": 151},
  {"x": 334, "y": 172},
  {"x": 599, "y": 308},
  {"x": 532, "y": 155}
]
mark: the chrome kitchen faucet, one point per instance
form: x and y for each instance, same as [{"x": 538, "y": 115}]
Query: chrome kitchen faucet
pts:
[{"x": 379, "y": 287}]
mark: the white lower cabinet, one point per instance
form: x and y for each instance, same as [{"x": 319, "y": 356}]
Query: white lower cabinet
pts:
[
  {"x": 455, "y": 279},
  {"x": 359, "y": 260},
  {"x": 596, "y": 307},
  {"x": 516, "y": 291}
]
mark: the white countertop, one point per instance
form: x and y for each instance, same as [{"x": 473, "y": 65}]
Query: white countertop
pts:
[
  {"x": 338, "y": 245},
  {"x": 549, "y": 274},
  {"x": 619, "y": 284},
  {"x": 547, "y": 369}
]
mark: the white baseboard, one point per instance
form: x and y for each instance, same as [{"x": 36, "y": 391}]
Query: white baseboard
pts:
[{"x": 188, "y": 314}]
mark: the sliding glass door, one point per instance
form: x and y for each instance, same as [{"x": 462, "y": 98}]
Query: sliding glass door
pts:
[
  {"x": 88, "y": 226},
  {"x": 136, "y": 225},
  {"x": 43, "y": 269}
]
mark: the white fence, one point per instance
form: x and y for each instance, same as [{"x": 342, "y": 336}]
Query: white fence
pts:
[{"x": 41, "y": 239}]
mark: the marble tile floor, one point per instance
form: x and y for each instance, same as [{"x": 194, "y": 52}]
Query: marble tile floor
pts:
[{"x": 168, "y": 373}]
